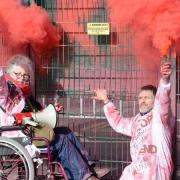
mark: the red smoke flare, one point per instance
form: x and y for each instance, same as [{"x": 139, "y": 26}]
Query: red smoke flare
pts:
[
  {"x": 155, "y": 24},
  {"x": 27, "y": 25}
]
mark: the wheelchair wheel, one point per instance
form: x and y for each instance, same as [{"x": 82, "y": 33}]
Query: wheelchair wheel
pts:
[{"x": 15, "y": 161}]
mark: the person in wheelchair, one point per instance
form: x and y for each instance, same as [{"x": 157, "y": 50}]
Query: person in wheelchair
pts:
[{"x": 19, "y": 103}]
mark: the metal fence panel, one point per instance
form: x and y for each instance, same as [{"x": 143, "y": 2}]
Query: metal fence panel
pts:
[{"x": 82, "y": 63}]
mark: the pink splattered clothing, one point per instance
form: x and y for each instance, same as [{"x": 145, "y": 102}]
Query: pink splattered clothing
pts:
[
  {"x": 8, "y": 107},
  {"x": 151, "y": 142}
]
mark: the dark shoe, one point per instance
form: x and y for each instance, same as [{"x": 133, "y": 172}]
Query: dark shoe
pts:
[{"x": 101, "y": 172}]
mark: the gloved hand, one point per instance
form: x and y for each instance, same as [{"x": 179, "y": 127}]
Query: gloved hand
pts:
[{"x": 19, "y": 116}]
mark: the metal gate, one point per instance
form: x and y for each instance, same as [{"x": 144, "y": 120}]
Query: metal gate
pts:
[{"x": 82, "y": 63}]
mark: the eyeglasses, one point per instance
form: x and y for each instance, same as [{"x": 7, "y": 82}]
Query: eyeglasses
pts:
[{"x": 26, "y": 77}]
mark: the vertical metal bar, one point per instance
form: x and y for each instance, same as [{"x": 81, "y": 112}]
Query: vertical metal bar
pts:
[
  {"x": 173, "y": 84},
  {"x": 94, "y": 107},
  {"x": 121, "y": 107},
  {"x": 134, "y": 108},
  {"x": 81, "y": 105},
  {"x": 68, "y": 106}
]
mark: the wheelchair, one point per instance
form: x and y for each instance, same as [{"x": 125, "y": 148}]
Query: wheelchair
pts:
[{"x": 17, "y": 164}]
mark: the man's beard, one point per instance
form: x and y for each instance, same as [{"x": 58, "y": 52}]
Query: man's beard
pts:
[{"x": 144, "y": 109}]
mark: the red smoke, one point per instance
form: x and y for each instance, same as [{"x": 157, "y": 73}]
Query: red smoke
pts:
[
  {"x": 155, "y": 24},
  {"x": 22, "y": 25}
]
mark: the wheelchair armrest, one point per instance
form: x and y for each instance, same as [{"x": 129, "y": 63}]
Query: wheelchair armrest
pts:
[{"x": 12, "y": 128}]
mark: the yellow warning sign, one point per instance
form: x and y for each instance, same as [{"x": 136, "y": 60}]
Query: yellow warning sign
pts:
[{"x": 98, "y": 28}]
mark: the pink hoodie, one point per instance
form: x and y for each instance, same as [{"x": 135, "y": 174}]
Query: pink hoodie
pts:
[{"x": 151, "y": 138}]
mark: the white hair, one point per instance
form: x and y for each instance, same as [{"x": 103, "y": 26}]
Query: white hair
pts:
[{"x": 23, "y": 61}]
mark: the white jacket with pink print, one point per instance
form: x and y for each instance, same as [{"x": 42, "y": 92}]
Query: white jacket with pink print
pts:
[{"x": 151, "y": 138}]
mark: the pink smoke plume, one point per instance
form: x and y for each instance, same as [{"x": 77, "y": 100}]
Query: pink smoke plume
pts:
[
  {"x": 27, "y": 25},
  {"x": 155, "y": 24}
]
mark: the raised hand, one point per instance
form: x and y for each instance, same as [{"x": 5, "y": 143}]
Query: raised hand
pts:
[
  {"x": 101, "y": 94},
  {"x": 166, "y": 70}
]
